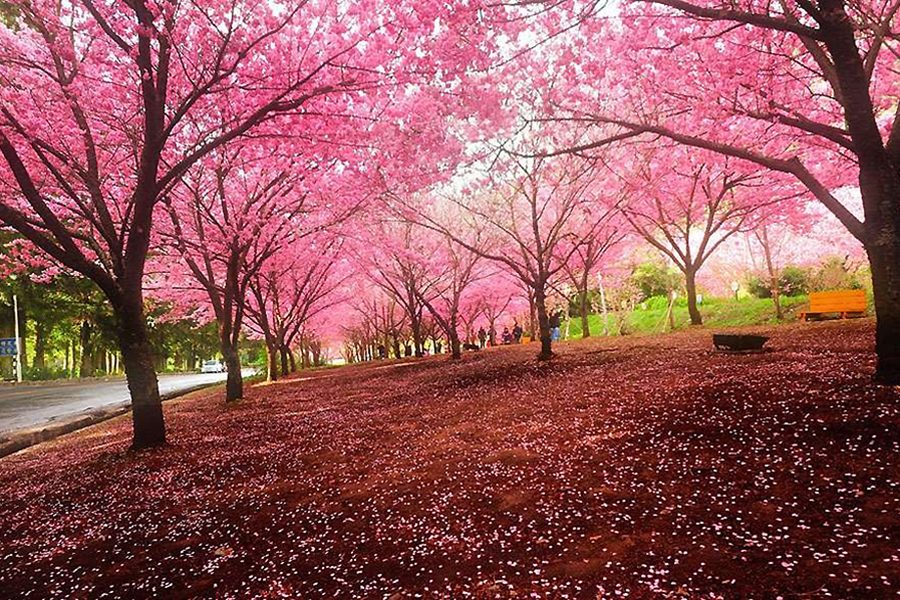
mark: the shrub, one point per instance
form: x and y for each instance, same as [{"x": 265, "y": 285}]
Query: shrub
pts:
[
  {"x": 793, "y": 281},
  {"x": 758, "y": 287},
  {"x": 654, "y": 278},
  {"x": 835, "y": 273}
]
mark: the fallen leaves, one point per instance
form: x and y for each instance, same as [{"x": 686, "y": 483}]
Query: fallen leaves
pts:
[{"x": 658, "y": 470}]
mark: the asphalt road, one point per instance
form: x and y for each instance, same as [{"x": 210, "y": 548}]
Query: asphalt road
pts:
[{"x": 35, "y": 404}]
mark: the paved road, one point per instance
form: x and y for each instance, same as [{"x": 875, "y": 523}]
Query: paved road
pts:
[{"x": 30, "y": 405}]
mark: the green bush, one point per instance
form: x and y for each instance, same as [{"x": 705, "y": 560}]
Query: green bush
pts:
[
  {"x": 657, "y": 303},
  {"x": 793, "y": 281},
  {"x": 835, "y": 274},
  {"x": 654, "y": 278},
  {"x": 43, "y": 374},
  {"x": 757, "y": 287}
]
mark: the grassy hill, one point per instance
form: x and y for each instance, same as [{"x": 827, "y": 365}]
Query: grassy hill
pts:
[{"x": 717, "y": 312}]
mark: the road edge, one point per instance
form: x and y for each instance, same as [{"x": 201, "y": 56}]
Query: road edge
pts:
[{"x": 16, "y": 441}]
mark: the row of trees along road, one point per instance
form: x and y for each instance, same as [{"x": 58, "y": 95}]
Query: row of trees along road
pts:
[{"x": 107, "y": 107}]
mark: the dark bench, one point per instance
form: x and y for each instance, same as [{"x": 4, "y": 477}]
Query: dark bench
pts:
[{"x": 738, "y": 342}]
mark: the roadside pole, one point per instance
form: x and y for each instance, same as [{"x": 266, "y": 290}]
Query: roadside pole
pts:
[{"x": 18, "y": 341}]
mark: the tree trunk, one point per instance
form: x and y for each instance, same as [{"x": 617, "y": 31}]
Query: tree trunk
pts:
[
  {"x": 540, "y": 307},
  {"x": 40, "y": 346},
  {"x": 774, "y": 288},
  {"x": 417, "y": 338},
  {"x": 533, "y": 331},
  {"x": 583, "y": 307},
  {"x": 455, "y": 345},
  {"x": 137, "y": 357},
  {"x": 690, "y": 277},
  {"x": 285, "y": 367},
  {"x": 885, "y": 263},
  {"x": 271, "y": 361},
  {"x": 23, "y": 334},
  {"x": 86, "y": 368},
  {"x": 234, "y": 386}
]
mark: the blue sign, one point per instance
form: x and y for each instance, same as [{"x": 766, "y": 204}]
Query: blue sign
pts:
[{"x": 8, "y": 347}]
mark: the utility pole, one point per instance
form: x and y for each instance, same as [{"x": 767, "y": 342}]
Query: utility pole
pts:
[{"x": 18, "y": 341}]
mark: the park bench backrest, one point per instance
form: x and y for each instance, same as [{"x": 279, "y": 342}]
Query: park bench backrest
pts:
[{"x": 838, "y": 301}]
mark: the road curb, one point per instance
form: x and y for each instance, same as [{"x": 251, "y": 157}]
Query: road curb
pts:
[{"x": 15, "y": 441}]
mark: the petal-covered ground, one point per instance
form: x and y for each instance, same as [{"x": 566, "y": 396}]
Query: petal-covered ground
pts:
[{"x": 642, "y": 467}]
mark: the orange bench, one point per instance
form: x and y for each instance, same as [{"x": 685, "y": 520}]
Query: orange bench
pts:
[{"x": 837, "y": 303}]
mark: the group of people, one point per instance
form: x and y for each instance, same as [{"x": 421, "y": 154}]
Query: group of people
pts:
[
  {"x": 514, "y": 336},
  {"x": 485, "y": 338}
]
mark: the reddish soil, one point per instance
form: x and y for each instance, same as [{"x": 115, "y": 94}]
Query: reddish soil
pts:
[{"x": 642, "y": 467}]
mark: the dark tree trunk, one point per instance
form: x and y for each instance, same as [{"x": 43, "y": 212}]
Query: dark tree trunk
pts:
[
  {"x": 23, "y": 334},
  {"x": 40, "y": 345},
  {"x": 417, "y": 337},
  {"x": 533, "y": 321},
  {"x": 234, "y": 385},
  {"x": 455, "y": 345},
  {"x": 137, "y": 357},
  {"x": 293, "y": 361},
  {"x": 885, "y": 264},
  {"x": 285, "y": 366},
  {"x": 540, "y": 307},
  {"x": 879, "y": 184},
  {"x": 690, "y": 283},
  {"x": 86, "y": 369}
]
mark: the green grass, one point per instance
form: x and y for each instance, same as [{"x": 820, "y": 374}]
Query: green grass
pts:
[{"x": 716, "y": 312}]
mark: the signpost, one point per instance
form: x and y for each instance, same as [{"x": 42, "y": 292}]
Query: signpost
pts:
[
  {"x": 8, "y": 347},
  {"x": 18, "y": 340},
  {"x": 11, "y": 346}
]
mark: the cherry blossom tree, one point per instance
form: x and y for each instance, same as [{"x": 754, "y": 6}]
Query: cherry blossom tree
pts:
[
  {"x": 230, "y": 215},
  {"x": 457, "y": 267},
  {"x": 686, "y": 204},
  {"x": 807, "y": 89},
  {"x": 105, "y": 107},
  {"x": 594, "y": 243},
  {"x": 395, "y": 260},
  {"x": 290, "y": 290},
  {"x": 496, "y": 298},
  {"x": 525, "y": 221}
]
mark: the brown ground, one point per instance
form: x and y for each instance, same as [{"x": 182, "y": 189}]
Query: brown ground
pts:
[{"x": 644, "y": 467}]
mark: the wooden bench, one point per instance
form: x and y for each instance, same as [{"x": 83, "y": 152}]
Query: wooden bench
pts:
[
  {"x": 739, "y": 343},
  {"x": 837, "y": 303}
]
